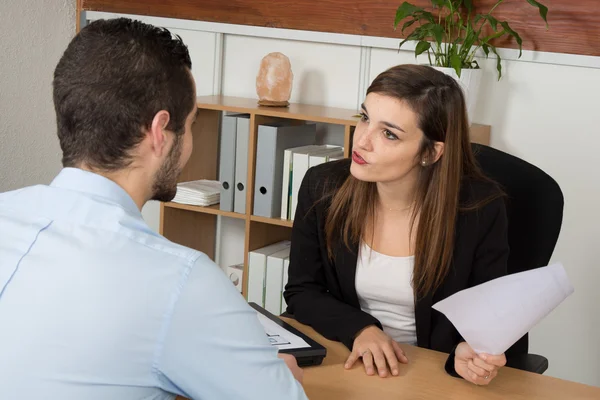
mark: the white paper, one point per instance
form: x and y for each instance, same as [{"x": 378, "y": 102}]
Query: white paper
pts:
[
  {"x": 492, "y": 316},
  {"x": 200, "y": 193},
  {"x": 280, "y": 337}
]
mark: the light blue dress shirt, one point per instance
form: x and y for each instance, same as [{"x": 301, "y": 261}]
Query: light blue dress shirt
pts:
[{"x": 95, "y": 305}]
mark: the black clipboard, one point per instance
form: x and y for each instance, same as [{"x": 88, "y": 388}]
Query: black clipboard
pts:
[{"x": 306, "y": 356}]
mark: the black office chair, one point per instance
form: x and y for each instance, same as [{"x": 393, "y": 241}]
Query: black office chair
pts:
[{"x": 534, "y": 206}]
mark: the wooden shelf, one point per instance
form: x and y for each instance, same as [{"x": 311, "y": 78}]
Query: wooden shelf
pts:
[
  {"x": 214, "y": 210},
  {"x": 304, "y": 112},
  {"x": 195, "y": 226},
  {"x": 273, "y": 221}
]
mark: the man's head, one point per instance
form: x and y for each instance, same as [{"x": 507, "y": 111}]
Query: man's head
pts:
[{"x": 125, "y": 101}]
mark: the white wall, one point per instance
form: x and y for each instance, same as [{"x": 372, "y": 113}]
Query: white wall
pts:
[
  {"x": 33, "y": 35},
  {"x": 315, "y": 81},
  {"x": 544, "y": 113}
]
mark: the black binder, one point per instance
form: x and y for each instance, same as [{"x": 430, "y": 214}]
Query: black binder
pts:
[{"x": 306, "y": 356}]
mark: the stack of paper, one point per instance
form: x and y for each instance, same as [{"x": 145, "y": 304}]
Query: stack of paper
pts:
[
  {"x": 198, "y": 193},
  {"x": 492, "y": 316}
]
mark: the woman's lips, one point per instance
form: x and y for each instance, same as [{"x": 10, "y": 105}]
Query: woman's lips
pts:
[{"x": 358, "y": 159}]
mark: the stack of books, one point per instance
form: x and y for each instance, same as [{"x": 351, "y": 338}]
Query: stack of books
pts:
[{"x": 198, "y": 193}]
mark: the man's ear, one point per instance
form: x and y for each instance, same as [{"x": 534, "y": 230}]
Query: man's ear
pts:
[{"x": 158, "y": 132}]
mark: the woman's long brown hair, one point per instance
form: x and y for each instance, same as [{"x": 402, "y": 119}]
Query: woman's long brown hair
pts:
[{"x": 438, "y": 101}]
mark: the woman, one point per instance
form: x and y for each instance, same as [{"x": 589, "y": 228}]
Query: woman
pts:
[{"x": 407, "y": 222}]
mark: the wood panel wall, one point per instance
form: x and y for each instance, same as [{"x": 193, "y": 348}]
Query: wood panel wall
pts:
[{"x": 574, "y": 24}]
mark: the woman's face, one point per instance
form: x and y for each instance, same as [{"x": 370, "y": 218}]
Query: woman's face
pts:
[{"x": 387, "y": 141}]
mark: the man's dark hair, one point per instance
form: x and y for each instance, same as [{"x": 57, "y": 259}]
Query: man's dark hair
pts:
[{"x": 113, "y": 78}]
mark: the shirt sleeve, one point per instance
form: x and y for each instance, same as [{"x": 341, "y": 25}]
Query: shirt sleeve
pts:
[{"x": 215, "y": 348}]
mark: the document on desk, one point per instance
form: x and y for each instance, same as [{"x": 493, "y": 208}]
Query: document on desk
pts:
[
  {"x": 492, "y": 316},
  {"x": 280, "y": 337}
]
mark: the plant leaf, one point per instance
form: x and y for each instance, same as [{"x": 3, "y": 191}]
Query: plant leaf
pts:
[
  {"x": 469, "y": 40},
  {"x": 543, "y": 10},
  {"x": 421, "y": 48},
  {"x": 433, "y": 30},
  {"x": 438, "y": 33},
  {"x": 415, "y": 35},
  {"x": 494, "y": 36},
  {"x": 456, "y": 63},
  {"x": 406, "y": 10},
  {"x": 498, "y": 62},
  {"x": 493, "y": 21},
  {"x": 514, "y": 34},
  {"x": 486, "y": 49},
  {"x": 421, "y": 32},
  {"x": 408, "y": 24},
  {"x": 468, "y": 5}
]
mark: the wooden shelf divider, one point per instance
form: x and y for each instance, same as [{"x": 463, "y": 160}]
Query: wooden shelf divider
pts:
[{"x": 273, "y": 221}]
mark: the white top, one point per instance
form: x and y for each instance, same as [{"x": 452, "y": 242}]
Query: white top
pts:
[{"x": 383, "y": 285}]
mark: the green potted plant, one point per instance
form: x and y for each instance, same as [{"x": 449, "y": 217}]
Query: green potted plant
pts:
[{"x": 453, "y": 36}]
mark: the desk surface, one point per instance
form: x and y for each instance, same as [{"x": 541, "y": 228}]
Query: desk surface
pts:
[{"x": 424, "y": 378}]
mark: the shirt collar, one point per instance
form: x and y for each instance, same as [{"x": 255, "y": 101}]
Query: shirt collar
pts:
[{"x": 96, "y": 185}]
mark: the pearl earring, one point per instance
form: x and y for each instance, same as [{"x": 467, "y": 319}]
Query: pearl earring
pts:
[{"x": 423, "y": 162}]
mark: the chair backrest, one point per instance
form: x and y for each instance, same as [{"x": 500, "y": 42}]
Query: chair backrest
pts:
[{"x": 534, "y": 206}]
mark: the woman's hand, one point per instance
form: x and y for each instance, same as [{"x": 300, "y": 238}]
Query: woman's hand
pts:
[
  {"x": 377, "y": 350},
  {"x": 478, "y": 369}
]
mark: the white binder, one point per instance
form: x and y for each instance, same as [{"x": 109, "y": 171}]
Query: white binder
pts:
[
  {"x": 322, "y": 158},
  {"x": 300, "y": 167},
  {"x": 286, "y": 267},
  {"x": 274, "y": 280},
  {"x": 272, "y": 141},
  {"x": 286, "y": 187},
  {"x": 257, "y": 265},
  {"x": 241, "y": 163}
]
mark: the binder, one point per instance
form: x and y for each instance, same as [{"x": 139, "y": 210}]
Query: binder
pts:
[
  {"x": 272, "y": 141},
  {"x": 257, "y": 265},
  {"x": 286, "y": 187},
  {"x": 235, "y": 273},
  {"x": 241, "y": 163},
  {"x": 274, "y": 280},
  {"x": 300, "y": 165},
  {"x": 317, "y": 159},
  {"x": 227, "y": 159},
  {"x": 286, "y": 267}
]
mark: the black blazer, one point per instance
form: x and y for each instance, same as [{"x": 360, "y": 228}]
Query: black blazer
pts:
[{"x": 322, "y": 294}]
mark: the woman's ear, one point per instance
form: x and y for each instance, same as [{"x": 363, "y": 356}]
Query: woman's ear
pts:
[{"x": 438, "y": 150}]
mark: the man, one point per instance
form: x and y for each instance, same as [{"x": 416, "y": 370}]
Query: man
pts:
[{"x": 93, "y": 304}]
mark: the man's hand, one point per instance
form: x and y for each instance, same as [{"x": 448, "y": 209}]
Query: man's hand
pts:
[
  {"x": 292, "y": 364},
  {"x": 478, "y": 369}
]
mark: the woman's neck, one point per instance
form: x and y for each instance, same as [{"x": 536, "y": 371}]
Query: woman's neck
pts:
[{"x": 398, "y": 195}]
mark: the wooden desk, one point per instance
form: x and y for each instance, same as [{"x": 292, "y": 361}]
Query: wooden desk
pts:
[{"x": 424, "y": 378}]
